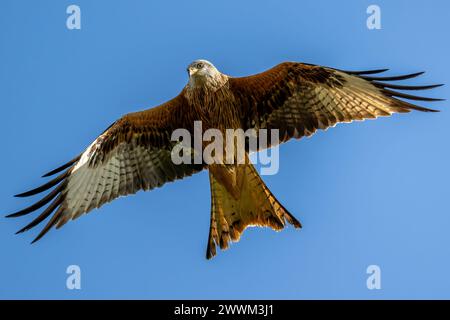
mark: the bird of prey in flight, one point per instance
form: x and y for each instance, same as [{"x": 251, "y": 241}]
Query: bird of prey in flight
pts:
[{"x": 134, "y": 153}]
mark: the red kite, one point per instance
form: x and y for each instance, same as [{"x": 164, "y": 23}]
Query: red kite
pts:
[{"x": 134, "y": 153}]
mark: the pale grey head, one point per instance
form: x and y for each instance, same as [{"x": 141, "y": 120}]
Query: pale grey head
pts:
[{"x": 203, "y": 73}]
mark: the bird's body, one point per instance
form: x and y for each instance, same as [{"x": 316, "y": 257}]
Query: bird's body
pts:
[{"x": 135, "y": 152}]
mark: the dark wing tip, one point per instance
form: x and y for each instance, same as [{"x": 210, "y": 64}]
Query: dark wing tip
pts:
[
  {"x": 363, "y": 72},
  {"x": 21, "y": 230},
  {"x": 12, "y": 215},
  {"x": 393, "y": 78},
  {"x": 45, "y": 186},
  {"x": 432, "y": 86},
  {"x": 410, "y": 106},
  {"x": 403, "y": 87},
  {"x": 49, "y": 197},
  {"x": 25, "y": 194},
  {"x": 392, "y": 93},
  {"x": 36, "y": 239},
  {"x": 385, "y": 88},
  {"x": 49, "y": 184},
  {"x": 47, "y": 212},
  {"x": 297, "y": 225},
  {"x": 61, "y": 168},
  {"x": 430, "y": 110}
]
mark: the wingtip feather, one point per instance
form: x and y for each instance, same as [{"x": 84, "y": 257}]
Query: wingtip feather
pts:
[
  {"x": 22, "y": 195},
  {"x": 61, "y": 168},
  {"x": 20, "y": 231}
]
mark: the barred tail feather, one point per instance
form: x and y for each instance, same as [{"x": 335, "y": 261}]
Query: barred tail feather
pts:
[{"x": 232, "y": 212}]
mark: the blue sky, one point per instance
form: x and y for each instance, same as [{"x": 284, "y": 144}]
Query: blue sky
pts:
[{"x": 367, "y": 193}]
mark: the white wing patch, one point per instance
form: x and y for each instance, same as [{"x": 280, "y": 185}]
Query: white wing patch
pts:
[{"x": 129, "y": 168}]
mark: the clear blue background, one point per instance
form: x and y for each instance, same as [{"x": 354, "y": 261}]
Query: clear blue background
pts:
[{"x": 367, "y": 193}]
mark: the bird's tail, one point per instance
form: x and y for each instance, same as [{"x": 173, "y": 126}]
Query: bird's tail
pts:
[{"x": 239, "y": 198}]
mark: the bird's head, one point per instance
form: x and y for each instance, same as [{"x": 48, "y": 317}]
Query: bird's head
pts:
[{"x": 203, "y": 73}]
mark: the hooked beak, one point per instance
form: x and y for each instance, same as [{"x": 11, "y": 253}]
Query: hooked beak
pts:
[{"x": 191, "y": 71}]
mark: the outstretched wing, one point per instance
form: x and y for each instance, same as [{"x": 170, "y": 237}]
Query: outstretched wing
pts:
[
  {"x": 132, "y": 154},
  {"x": 299, "y": 98}
]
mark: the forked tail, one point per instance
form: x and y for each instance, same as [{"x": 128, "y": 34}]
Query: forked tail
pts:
[{"x": 239, "y": 198}]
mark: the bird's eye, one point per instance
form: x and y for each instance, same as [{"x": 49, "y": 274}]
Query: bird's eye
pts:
[{"x": 199, "y": 65}]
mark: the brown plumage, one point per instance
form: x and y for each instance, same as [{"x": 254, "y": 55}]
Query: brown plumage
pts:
[{"x": 134, "y": 153}]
